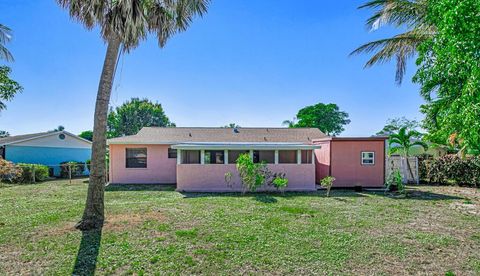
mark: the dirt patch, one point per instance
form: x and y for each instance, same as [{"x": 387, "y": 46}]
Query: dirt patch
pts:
[
  {"x": 119, "y": 222},
  {"x": 11, "y": 263}
]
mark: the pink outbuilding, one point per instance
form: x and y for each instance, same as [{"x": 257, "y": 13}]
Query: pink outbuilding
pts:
[{"x": 197, "y": 159}]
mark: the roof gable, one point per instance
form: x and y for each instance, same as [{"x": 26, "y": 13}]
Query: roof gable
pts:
[{"x": 42, "y": 139}]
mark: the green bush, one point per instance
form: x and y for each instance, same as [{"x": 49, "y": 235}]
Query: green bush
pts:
[
  {"x": 327, "y": 182},
  {"x": 32, "y": 173},
  {"x": 451, "y": 169},
  {"x": 394, "y": 182},
  {"x": 77, "y": 168},
  {"x": 280, "y": 182}
]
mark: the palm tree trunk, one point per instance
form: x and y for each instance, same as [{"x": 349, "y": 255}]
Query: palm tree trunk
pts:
[{"x": 93, "y": 215}]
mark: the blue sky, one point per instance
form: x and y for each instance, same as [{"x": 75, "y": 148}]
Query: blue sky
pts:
[{"x": 255, "y": 63}]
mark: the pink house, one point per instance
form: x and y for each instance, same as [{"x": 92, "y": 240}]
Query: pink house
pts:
[{"x": 197, "y": 159}]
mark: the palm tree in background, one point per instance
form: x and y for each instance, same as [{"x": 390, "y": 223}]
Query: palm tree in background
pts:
[
  {"x": 5, "y": 37},
  {"x": 403, "y": 141},
  {"x": 408, "y": 14},
  {"x": 123, "y": 25},
  {"x": 290, "y": 123}
]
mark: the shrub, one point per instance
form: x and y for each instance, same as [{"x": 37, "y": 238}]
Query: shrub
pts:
[
  {"x": 394, "y": 182},
  {"x": 280, "y": 183},
  {"x": 327, "y": 183},
  {"x": 77, "y": 168},
  {"x": 9, "y": 171},
  {"x": 88, "y": 162},
  {"x": 452, "y": 169},
  {"x": 32, "y": 173}
]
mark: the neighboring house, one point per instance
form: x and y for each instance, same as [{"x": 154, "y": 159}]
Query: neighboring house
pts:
[
  {"x": 46, "y": 148},
  {"x": 196, "y": 159}
]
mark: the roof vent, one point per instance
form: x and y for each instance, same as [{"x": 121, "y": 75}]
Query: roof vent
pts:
[
  {"x": 190, "y": 134},
  {"x": 235, "y": 130},
  {"x": 265, "y": 138}
]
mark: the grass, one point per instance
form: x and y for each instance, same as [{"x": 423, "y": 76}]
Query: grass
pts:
[{"x": 155, "y": 230}]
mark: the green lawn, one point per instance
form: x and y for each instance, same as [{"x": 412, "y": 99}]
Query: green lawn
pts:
[{"x": 159, "y": 231}]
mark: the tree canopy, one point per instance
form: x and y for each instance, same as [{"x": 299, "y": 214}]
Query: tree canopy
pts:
[
  {"x": 394, "y": 125},
  {"x": 326, "y": 117},
  {"x": 449, "y": 73},
  {"x": 87, "y": 135},
  {"x": 8, "y": 87},
  {"x": 135, "y": 114}
]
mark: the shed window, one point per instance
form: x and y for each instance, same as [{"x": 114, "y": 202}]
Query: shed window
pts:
[
  {"x": 190, "y": 157},
  {"x": 172, "y": 153},
  {"x": 234, "y": 154},
  {"x": 214, "y": 157},
  {"x": 368, "y": 158},
  {"x": 136, "y": 158},
  {"x": 267, "y": 156},
  {"x": 287, "y": 156}
]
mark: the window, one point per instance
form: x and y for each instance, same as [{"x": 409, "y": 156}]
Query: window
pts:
[
  {"x": 287, "y": 157},
  {"x": 190, "y": 157},
  {"x": 214, "y": 157},
  {"x": 368, "y": 158},
  {"x": 267, "y": 156},
  {"x": 234, "y": 154},
  {"x": 306, "y": 157},
  {"x": 136, "y": 158},
  {"x": 172, "y": 153}
]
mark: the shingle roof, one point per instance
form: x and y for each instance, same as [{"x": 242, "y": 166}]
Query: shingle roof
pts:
[
  {"x": 23, "y": 137},
  {"x": 12, "y": 139},
  {"x": 162, "y": 135}
]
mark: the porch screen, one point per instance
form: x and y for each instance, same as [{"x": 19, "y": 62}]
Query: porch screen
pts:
[{"x": 190, "y": 157}]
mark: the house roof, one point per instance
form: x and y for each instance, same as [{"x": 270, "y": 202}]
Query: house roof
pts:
[
  {"x": 371, "y": 138},
  {"x": 26, "y": 137},
  {"x": 162, "y": 135}
]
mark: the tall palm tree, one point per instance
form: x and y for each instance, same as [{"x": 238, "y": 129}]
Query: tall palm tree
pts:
[
  {"x": 403, "y": 141},
  {"x": 408, "y": 14},
  {"x": 5, "y": 37},
  {"x": 123, "y": 25}
]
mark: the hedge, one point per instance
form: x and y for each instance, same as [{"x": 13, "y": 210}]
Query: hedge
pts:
[
  {"x": 31, "y": 173},
  {"x": 451, "y": 169}
]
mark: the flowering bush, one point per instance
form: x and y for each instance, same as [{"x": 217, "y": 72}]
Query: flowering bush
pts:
[{"x": 9, "y": 171}]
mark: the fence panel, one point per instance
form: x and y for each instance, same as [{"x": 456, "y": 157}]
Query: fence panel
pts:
[{"x": 408, "y": 171}]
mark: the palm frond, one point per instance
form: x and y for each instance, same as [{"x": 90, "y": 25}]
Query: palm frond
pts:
[
  {"x": 420, "y": 143},
  {"x": 5, "y": 37},
  {"x": 395, "y": 12},
  {"x": 401, "y": 47}
]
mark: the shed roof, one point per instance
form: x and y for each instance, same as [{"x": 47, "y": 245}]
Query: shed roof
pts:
[{"x": 168, "y": 135}]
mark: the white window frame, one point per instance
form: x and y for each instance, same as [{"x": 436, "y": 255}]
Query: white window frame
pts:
[{"x": 362, "y": 158}]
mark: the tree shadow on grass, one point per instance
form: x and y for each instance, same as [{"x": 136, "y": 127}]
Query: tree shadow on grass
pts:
[
  {"x": 139, "y": 187},
  {"x": 86, "y": 261}
]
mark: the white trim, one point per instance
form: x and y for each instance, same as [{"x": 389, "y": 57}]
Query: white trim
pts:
[
  {"x": 276, "y": 157},
  {"x": 313, "y": 156},
  {"x": 202, "y": 157},
  {"x": 245, "y": 146},
  {"x": 179, "y": 156},
  {"x": 373, "y": 158},
  {"x": 299, "y": 156},
  {"x": 225, "y": 157}
]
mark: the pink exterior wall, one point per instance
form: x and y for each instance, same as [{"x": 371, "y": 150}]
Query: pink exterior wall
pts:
[
  {"x": 160, "y": 168},
  {"x": 211, "y": 177},
  {"x": 346, "y": 165},
  {"x": 322, "y": 160}
]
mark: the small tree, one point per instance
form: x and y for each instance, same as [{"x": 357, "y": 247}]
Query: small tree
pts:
[
  {"x": 250, "y": 173},
  {"x": 327, "y": 183},
  {"x": 402, "y": 141},
  {"x": 394, "y": 181}
]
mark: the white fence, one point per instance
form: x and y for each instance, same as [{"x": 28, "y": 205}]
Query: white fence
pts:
[{"x": 408, "y": 171}]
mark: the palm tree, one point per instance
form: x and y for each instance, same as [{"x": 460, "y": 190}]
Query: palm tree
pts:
[
  {"x": 408, "y": 14},
  {"x": 403, "y": 141},
  {"x": 123, "y": 25},
  {"x": 5, "y": 37},
  {"x": 290, "y": 123}
]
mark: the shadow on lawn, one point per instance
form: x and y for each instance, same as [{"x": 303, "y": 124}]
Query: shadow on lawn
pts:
[
  {"x": 86, "y": 261},
  {"x": 139, "y": 187}
]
